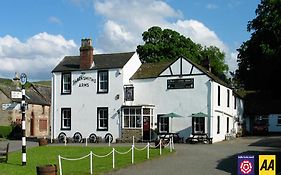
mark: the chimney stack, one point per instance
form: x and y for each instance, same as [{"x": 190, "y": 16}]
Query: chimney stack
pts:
[{"x": 86, "y": 54}]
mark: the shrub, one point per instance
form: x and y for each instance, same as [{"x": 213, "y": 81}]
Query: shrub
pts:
[{"x": 5, "y": 131}]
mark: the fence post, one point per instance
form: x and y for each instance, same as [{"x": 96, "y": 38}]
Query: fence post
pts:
[
  {"x": 113, "y": 158},
  {"x": 133, "y": 140},
  {"x": 133, "y": 154},
  {"x": 170, "y": 144},
  {"x": 160, "y": 146},
  {"x": 60, "y": 165},
  {"x": 109, "y": 138},
  {"x": 64, "y": 140},
  {"x": 147, "y": 150},
  {"x": 173, "y": 143},
  {"x": 91, "y": 162}
]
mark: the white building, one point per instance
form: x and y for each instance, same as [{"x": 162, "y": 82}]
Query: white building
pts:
[{"x": 116, "y": 94}]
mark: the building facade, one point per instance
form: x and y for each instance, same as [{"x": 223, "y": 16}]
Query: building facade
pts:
[{"x": 115, "y": 96}]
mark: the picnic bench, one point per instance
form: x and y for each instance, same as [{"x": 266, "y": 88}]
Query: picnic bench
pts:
[
  {"x": 4, "y": 153},
  {"x": 166, "y": 137},
  {"x": 199, "y": 138}
]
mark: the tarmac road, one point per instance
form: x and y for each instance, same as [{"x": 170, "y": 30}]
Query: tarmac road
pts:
[
  {"x": 197, "y": 159},
  {"x": 207, "y": 159}
]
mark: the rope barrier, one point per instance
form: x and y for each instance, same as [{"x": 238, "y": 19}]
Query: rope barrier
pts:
[
  {"x": 141, "y": 149},
  {"x": 72, "y": 159},
  {"x": 123, "y": 152},
  {"x": 102, "y": 155}
]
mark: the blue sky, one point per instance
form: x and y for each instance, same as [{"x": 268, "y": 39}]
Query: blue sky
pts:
[{"x": 36, "y": 34}]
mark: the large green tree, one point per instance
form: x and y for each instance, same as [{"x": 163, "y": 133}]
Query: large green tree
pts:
[
  {"x": 259, "y": 58},
  {"x": 162, "y": 45}
]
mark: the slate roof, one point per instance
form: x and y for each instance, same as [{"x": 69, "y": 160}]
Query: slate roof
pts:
[
  {"x": 34, "y": 97},
  {"x": 153, "y": 70},
  {"x": 101, "y": 61}
]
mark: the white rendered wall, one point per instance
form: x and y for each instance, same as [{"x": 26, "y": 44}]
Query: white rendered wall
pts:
[{"x": 272, "y": 122}]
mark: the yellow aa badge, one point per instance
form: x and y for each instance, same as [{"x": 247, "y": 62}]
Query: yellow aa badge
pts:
[{"x": 267, "y": 164}]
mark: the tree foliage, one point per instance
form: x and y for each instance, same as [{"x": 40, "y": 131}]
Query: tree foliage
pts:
[
  {"x": 162, "y": 45},
  {"x": 259, "y": 58}
]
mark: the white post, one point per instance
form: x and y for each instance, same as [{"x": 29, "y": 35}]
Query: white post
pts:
[
  {"x": 91, "y": 162},
  {"x": 170, "y": 144},
  {"x": 173, "y": 146},
  {"x": 64, "y": 140},
  {"x": 147, "y": 150},
  {"x": 160, "y": 146},
  {"x": 133, "y": 140},
  {"x": 109, "y": 138},
  {"x": 133, "y": 154},
  {"x": 113, "y": 158},
  {"x": 60, "y": 165}
]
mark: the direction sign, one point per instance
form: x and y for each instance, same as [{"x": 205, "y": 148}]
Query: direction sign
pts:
[
  {"x": 23, "y": 78},
  {"x": 16, "y": 94}
]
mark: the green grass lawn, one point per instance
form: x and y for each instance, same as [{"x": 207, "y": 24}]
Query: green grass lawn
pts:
[{"x": 44, "y": 155}]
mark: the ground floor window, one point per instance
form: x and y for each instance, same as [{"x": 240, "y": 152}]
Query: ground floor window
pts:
[
  {"x": 102, "y": 119},
  {"x": 66, "y": 118},
  {"x": 43, "y": 125},
  {"x": 163, "y": 124},
  {"x": 227, "y": 125},
  {"x": 198, "y": 124},
  {"x": 279, "y": 120},
  {"x": 218, "y": 125},
  {"x": 132, "y": 117}
]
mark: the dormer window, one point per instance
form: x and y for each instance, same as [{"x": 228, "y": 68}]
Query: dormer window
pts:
[
  {"x": 102, "y": 81},
  {"x": 66, "y": 83}
]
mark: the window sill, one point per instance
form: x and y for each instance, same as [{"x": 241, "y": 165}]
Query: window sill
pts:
[
  {"x": 101, "y": 92},
  {"x": 64, "y": 93},
  {"x": 102, "y": 129},
  {"x": 65, "y": 129},
  {"x": 132, "y": 128}
]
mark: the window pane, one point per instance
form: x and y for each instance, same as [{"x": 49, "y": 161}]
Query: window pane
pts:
[
  {"x": 132, "y": 121},
  {"x": 138, "y": 124},
  {"x": 126, "y": 121},
  {"x": 146, "y": 111}
]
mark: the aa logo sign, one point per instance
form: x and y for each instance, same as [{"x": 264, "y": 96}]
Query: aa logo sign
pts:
[{"x": 267, "y": 165}]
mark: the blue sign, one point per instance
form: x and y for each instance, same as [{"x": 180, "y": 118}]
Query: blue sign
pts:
[{"x": 246, "y": 165}]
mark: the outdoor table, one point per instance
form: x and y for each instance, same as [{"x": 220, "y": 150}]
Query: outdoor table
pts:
[
  {"x": 166, "y": 136},
  {"x": 199, "y": 137}
]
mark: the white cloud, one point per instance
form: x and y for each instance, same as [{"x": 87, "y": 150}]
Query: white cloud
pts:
[
  {"x": 131, "y": 18},
  {"x": 211, "y": 6},
  {"x": 54, "y": 20},
  {"x": 36, "y": 57}
]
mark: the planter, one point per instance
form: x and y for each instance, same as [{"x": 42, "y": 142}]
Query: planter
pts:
[
  {"x": 46, "y": 170},
  {"x": 43, "y": 142}
]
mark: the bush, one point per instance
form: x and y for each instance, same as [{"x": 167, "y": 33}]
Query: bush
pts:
[{"x": 5, "y": 131}]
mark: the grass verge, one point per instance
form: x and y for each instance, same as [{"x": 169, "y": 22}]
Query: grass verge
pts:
[{"x": 44, "y": 155}]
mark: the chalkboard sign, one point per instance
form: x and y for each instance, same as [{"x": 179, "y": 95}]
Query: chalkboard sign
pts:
[{"x": 187, "y": 83}]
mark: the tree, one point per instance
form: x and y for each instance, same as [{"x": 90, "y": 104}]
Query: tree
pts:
[
  {"x": 162, "y": 45},
  {"x": 259, "y": 58}
]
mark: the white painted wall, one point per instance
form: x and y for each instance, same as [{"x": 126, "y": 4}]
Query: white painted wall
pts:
[{"x": 272, "y": 123}]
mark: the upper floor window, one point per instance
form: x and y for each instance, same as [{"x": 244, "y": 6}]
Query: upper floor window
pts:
[
  {"x": 129, "y": 93},
  {"x": 102, "y": 119},
  {"x": 228, "y": 97},
  {"x": 66, "y": 118},
  {"x": 102, "y": 81},
  {"x": 235, "y": 101},
  {"x": 66, "y": 83},
  {"x": 219, "y": 95}
]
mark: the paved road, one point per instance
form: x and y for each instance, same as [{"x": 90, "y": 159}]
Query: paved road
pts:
[
  {"x": 204, "y": 159},
  {"x": 197, "y": 159}
]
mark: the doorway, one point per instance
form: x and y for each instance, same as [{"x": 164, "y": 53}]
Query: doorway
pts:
[{"x": 146, "y": 127}]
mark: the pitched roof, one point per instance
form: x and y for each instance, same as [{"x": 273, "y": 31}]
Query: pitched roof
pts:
[
  {"x": 153, "y": 70},
  {"x": 101, "y": 61},
  {"x": 34, "y": 97}
]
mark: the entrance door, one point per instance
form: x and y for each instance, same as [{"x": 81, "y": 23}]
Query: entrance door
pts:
[
  {"x": 198, "y": 125},
  {"x": 32, "y": 124},
  {"x": 146, "y": 127}
]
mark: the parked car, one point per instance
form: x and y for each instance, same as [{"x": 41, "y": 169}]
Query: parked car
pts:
[{"x": 260, "y": 127}]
